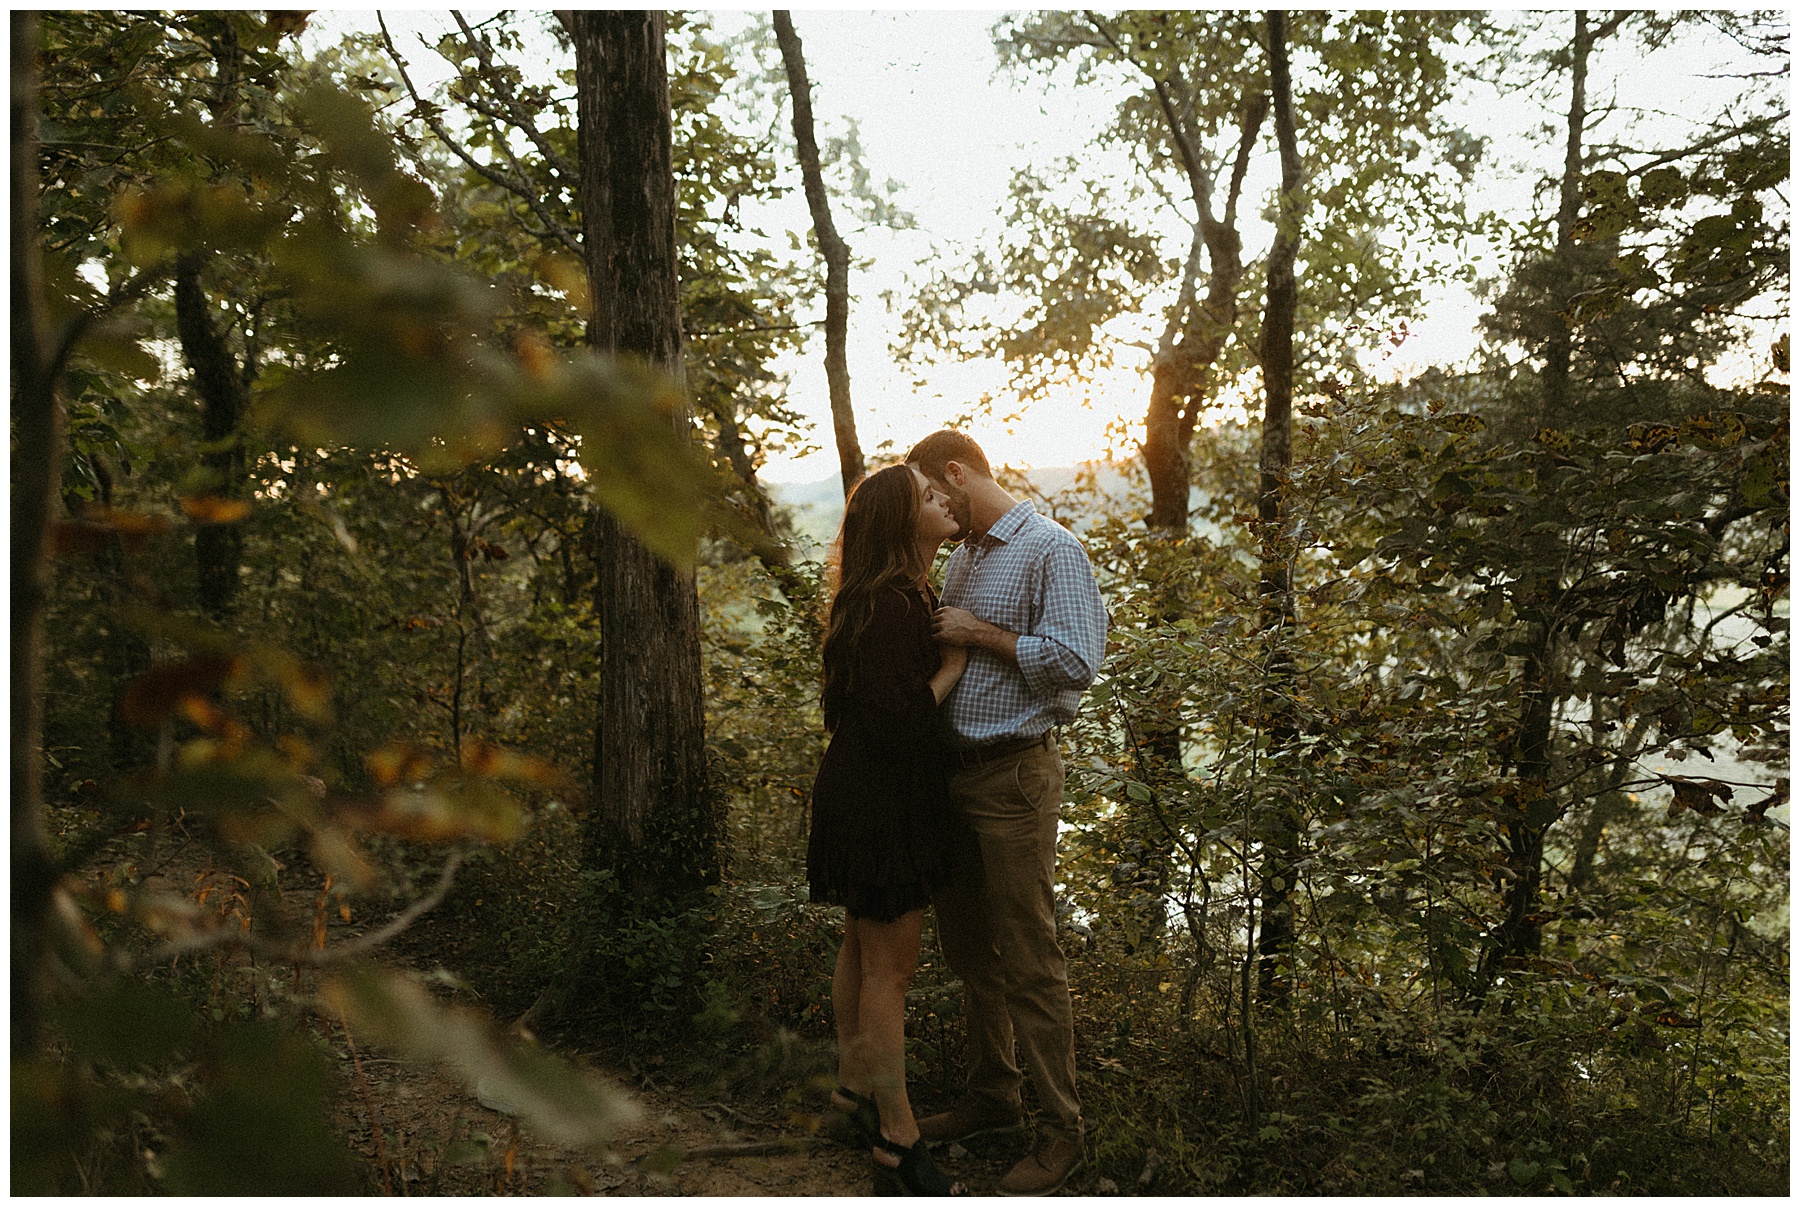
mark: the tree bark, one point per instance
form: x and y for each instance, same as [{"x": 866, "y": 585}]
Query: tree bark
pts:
[
  {"x": 1280, "y": 830},
  {"x": 1521, "y": 932},
  {"x": 652, "y": 821},
  {"x": 224, "y": 397},
  {"x": 37, "y": 462},
  {"x": 832, "y": 248},
  {"x": 1193, "y": 338}
]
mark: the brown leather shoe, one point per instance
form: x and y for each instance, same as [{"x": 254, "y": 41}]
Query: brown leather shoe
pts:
[
  {"x": 1045, "y": 1170},
  {"x": 968, "y": 1118}
]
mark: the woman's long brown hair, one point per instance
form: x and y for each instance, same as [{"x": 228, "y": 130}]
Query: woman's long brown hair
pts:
[{"x": 877, "y": 547}]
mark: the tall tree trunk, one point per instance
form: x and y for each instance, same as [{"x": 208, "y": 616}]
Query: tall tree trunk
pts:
[
  {"x": 224, "y": 397},
  {"x": 223, "y": 389},
  {"x": 1280, "y": 832},
  {"x": 1520, "y": 932},
  {"x": 832, "y": 248},
  {"x": 1559, "y": 351},
  {"x": 37, "y": 463},
  {"x": 1186, "y": 354},
  {"x": 652, "y": 821},
  {"x": 1192, "y": 341}
]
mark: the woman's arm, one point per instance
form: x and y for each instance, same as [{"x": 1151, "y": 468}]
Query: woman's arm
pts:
[{"x": 955, "y": 662}]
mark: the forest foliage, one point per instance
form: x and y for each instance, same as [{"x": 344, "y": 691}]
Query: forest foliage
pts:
[{"x": 328, "y": 462}]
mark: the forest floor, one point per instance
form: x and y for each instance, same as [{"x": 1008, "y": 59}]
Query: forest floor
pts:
[
  {"x": 423, "y": 1132},
  {"x": 429, "y": 1136}
]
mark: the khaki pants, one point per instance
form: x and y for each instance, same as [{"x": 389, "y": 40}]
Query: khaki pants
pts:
[{"x": 997, "y": 924}]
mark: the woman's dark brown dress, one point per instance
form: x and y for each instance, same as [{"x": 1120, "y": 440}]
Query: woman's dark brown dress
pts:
[{"x": 881, "y": 815}]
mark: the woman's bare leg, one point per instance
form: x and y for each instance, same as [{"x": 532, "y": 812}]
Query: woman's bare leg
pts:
[
  {"x": 846, "y": 1005},
  {"x": 890, "y": 955}
]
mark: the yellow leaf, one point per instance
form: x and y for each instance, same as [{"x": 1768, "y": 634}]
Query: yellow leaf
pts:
[{"x": 210, "y": 509}]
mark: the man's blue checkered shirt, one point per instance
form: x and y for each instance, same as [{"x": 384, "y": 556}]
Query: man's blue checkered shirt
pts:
[{"x": 1030, "y": 576}]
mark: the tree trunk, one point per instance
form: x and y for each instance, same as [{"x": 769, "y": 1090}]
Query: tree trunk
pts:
[
  {"x": 37, "y": 461},
  {"x": 1559, "y": 351},
  {"x": 832, "y": 248},
  {"x": 224, "y": 397},
  {"x": 1191, "y": 343},
  {"x": 1280, "y": 832},
  {"x": 1166, "y": 459},
  {"x": 1520, "y": 932},
  {"x": 1197, "y": 333},
  {"x": 652, "y": 822}
]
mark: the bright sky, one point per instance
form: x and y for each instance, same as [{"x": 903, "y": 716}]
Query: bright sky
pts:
[{"x": 932, "y": 114}]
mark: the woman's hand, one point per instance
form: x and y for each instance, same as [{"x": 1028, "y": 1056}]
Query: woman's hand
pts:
[{"x": 953, "y": 662}]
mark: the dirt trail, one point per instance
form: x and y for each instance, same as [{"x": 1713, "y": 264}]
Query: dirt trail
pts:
[
  {"x": 425, "y": 1133},
  {"x": 436, "y": 1139}
]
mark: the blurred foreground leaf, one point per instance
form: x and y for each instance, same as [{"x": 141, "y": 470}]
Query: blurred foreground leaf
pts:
[
  {"x": 241, "y": 1110},
  {"x": 561, "y": 1104}
]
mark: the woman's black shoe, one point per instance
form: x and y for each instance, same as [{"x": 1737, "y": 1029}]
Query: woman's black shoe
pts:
[{"x": 917, "y": 1173}]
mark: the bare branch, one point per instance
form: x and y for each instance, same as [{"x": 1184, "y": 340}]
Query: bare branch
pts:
[
  {"x": 1754, "y": 126},
  {"x": 519, "y": 188},
  {"x": 518, "y": 116},
  {"x": 213, "y": 940},
  {"x": 1254, "y": 112},
  {"x": 1199, "y": 180}
]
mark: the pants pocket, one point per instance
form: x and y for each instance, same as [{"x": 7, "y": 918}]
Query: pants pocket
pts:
[{"x": 1036, "y": 779}]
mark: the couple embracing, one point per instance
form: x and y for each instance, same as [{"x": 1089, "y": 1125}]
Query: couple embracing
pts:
[{"x": 942, "y": 785}]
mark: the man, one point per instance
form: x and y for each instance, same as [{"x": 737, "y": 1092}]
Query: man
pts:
[{"x": 1020, "y": 595}]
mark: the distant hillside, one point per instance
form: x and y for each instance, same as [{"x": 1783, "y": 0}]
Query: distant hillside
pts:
[{"x": 818, "y": 506}]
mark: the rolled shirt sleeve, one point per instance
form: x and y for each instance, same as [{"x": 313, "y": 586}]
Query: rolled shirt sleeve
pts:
[
  {"x": 1065, "y": 650},
  {"x": 1031, "y": 577}
]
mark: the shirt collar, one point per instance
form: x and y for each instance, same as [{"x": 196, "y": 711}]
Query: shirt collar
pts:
[{"x": 1007, "y": 526}]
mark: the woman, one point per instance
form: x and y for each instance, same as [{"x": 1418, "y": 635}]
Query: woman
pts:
[{"x": 881, "y": 815}]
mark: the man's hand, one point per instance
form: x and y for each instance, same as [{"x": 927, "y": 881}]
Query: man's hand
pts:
[{"x": 954, "y": 626}]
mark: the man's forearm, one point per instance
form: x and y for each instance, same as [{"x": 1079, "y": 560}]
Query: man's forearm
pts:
[
  {"x": 957, "y": 626},
  {"x": 996, "y": 640}
]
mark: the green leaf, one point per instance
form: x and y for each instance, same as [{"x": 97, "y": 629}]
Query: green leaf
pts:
[
  {"x": 262, "y": 1127},
  {"x": 127, "y": 1024},
  {"x": 1522, "y": 1171}
]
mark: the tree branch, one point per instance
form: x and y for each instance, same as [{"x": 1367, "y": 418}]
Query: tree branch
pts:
[
  {"x": 128, "y": 290},
  {"x": 1755, "y": 125},
  {"x": 1199, "y": 181},
  {"x": 518, "y": 188},
  {"x": 1254, "y": 112},
  {"x": 518, "y": 117},
  {"x": 312, "y": 957}
]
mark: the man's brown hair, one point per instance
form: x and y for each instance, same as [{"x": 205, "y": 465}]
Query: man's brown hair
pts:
[{"x": 940, "y": 448}]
